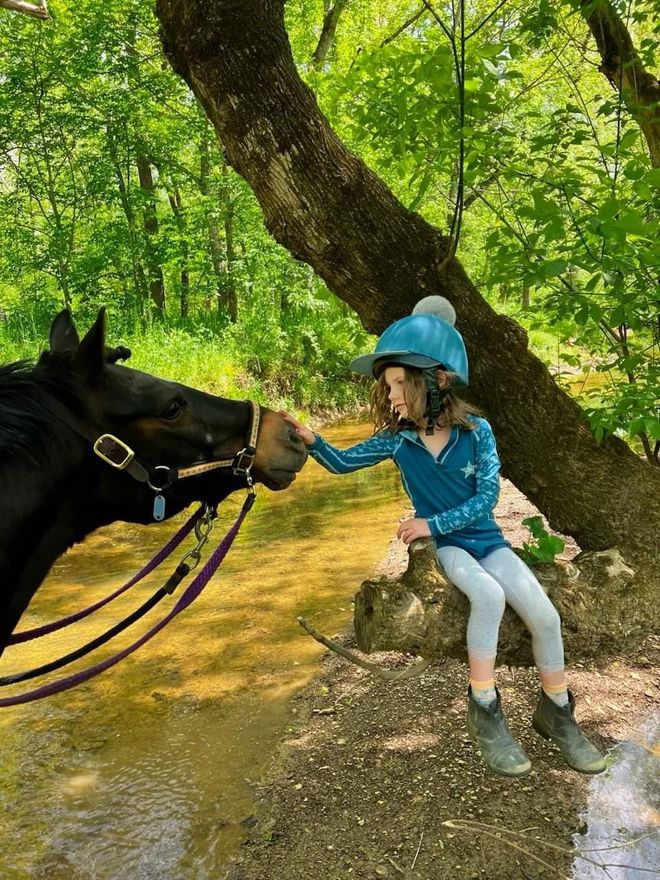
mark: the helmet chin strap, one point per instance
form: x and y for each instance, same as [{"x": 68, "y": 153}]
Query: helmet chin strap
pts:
[{"x": 435, "y": 399}]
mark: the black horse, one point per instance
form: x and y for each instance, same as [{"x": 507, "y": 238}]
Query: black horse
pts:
[{"x": 55, "y": 488}]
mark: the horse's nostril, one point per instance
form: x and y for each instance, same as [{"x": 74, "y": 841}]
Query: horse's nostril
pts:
[{"x": 296, "y": 441}]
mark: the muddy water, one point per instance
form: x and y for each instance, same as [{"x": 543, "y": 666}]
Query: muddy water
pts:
[{"x": 149, "y": 770}]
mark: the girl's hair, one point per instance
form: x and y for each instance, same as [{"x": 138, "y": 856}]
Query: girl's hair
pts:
[{"x": 455, "y": 411}]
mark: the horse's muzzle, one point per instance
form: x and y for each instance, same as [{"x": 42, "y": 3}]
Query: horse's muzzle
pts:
[{"x": 281, "y": 453}]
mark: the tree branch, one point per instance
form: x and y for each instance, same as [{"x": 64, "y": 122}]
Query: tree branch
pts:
[
  {"x": 331, "y": 211},
  {"x": 328, "y": 32},
  {"x": 623, "y": 68},
  {"x": 32, "y": 9},
  {"x": 403, "y": 27}
]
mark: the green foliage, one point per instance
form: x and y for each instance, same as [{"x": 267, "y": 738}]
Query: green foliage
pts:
[
  {"x": 543, "y": 547},
  {"x": 560, "y": 203},
  {"x": 560, "y": 224},
  {"x": 85, "y": 99}
]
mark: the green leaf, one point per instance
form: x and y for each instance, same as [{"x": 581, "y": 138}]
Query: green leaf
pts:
[
  {"x": 631, "y": 221},
  {"x": 490, "y": 51},
  {"x": 554, "y": 267},
  {"x": 652, "y": 177},
  {"x": 609, "y": 208}
]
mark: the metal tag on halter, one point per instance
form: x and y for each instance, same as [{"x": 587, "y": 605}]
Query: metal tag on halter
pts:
[{"x": 159, "y": 508}]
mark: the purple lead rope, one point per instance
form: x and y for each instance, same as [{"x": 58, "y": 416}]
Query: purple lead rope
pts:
[
  {"x": 193, "y": 590},
  {"x": 29, "y": 634}
]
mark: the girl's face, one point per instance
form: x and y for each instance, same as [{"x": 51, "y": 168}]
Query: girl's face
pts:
[{"x": 395, "y": 380}]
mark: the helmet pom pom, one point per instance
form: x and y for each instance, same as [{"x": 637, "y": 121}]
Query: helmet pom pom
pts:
[{"x": 438, "y": 306}]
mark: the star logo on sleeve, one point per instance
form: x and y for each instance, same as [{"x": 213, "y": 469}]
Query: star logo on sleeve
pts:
[{"x": 469, "y": 469}]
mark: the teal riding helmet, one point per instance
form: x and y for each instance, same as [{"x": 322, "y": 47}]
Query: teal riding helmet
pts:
[{"x": 421, "y": 340}]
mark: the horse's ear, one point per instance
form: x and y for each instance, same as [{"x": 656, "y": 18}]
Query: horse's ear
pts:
[
  {"x": 63, "y": 334},
  {"x": 90, "y": 354}
]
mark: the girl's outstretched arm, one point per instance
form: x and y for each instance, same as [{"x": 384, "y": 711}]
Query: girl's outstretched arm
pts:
[
  {"x": 342, "y": 461},
  {"x": 378, "y": 448}
]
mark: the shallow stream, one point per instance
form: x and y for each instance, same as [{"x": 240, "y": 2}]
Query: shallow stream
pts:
[
  {"x": 149, "y": 770},
  {"x": 621, "y": 835}
]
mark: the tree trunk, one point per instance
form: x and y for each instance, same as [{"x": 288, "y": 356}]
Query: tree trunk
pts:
[
  {"x": 229, "y": 290},
  {"x": 139, "y": 277},
  {"x": 622, "y": 66},
  {"x": 150, "y": 224},
  {"x": 34, "y": 10},
  {"x": 184, "y": 274},
  {"x": 326, "y": 207},
  {"x": 222, "y": 258},
  {"x": 421, "y": 612}
]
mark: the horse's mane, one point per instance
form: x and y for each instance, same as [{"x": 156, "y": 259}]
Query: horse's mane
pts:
[{"x": 26, "y": 428}]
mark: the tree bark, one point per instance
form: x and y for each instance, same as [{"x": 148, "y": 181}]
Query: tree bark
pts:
[
  {"x": 328, "y": 209},
  {"x": 421, "y": 612},
  {"x": 622, "y": 66}
]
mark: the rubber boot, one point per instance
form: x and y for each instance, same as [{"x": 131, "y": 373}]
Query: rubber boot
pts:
[
  {"x": 558, "y": 724},
  {"x": 488, "y": 728}
]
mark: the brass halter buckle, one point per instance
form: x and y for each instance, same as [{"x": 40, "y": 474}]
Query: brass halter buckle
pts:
[{"x": 113, "y": 451}]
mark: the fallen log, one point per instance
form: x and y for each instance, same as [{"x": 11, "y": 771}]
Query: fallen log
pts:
[{"x": 604, "y": 606}]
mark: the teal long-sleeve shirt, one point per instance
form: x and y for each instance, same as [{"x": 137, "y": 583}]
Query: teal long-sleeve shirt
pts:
[{"x": 455, "y": 492}]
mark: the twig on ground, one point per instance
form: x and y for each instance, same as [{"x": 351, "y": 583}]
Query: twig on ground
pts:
[
  {"x": 414, "y": 861},
  {"x": 386, "y": 674},
  {"x": 395, "y": 866},
  {"x": 489, "y": 830}
]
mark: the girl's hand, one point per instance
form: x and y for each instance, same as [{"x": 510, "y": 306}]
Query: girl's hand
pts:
[
  {"x": 412, "y": 529},
  {"x": 307, "y": 436}
]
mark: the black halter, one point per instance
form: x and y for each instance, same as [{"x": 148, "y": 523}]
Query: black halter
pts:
[{"x": 119, "y": 455}]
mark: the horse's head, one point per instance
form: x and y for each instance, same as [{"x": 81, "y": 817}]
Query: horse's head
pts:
[{"x": 168, "y": 426}]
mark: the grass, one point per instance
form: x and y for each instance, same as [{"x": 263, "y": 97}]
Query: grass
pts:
[{"x": 202, "y": 359}]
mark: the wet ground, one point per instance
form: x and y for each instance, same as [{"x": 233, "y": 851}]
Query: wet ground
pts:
[
  {"x": 380, "y": 780},
  {"x": 621, "y": 837}
]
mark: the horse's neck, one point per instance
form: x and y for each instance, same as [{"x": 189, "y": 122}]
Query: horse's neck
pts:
[{"x": 37, "y": 525}]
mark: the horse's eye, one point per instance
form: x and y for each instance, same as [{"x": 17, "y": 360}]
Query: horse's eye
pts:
[{"x": 173, "y": 410}]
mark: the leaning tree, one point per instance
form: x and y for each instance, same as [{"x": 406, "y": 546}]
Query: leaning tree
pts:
[{"x": 330, "y": 210}]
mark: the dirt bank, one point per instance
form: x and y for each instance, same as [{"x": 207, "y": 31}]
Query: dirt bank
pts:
[{"x": 369, "y": 772}]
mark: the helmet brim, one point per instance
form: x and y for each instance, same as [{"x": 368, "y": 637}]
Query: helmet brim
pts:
[{"x": 369, "y": 364}]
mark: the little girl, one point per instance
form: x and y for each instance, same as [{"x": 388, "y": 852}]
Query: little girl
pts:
[{"x": 449, "y": 468}]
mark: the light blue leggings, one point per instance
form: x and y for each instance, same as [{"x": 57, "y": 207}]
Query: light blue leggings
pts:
[{"x": 490, "y": 583}]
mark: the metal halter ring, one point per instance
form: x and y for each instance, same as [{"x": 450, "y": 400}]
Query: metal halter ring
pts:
[{"x": 166, "y": 484}]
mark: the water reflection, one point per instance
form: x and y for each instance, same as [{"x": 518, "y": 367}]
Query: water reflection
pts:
[
  {"x": 148, "y": 770},
  {"x": 622, "y": 839}
]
